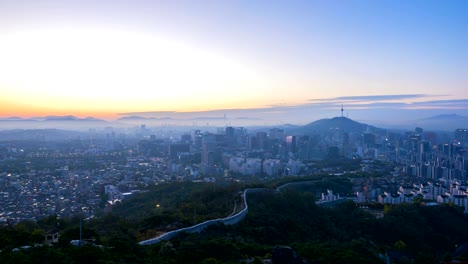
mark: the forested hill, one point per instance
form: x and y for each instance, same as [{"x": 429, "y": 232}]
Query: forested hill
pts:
[
  {"x": 337, "y": 123},
  {"x": 344, "y": 234}
]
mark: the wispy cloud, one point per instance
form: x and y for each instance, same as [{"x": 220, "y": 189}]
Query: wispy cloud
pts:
[
  {"x": 373, "y": 98},
  {"x": 444, "y": 102},
  {"x": 386, "y": 97},
  {"x": 377, "y": 105},
  {"x": 440, "y": 104}
]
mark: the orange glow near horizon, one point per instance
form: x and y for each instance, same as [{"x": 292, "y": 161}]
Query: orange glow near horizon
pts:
[
  {"x": 27, "y": 111},
  {"x": 40, "y": 109},
  {"x": 104, "y": 72}
]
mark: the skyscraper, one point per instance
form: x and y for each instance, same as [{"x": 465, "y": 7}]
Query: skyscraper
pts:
[{"x": 461, "y": 135}]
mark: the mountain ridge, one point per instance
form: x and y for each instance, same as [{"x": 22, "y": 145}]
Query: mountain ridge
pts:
[{"x": 336, "y": 123}]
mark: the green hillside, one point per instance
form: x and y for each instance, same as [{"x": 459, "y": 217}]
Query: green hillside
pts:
[{"x": 290, "y": 217}]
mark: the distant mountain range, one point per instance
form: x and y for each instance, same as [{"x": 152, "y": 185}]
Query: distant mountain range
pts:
[
  {"x": 446, "y": 117},
  {"x": 448, "y": 122}
]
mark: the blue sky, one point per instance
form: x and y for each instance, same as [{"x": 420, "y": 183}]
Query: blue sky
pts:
[{"x": 291, "y": 61}]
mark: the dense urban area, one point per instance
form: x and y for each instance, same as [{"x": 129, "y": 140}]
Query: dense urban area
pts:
[{"x": 54, "y": 175}]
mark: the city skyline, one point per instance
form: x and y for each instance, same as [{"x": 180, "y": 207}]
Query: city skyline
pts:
[{"x": 295, "y": 61}]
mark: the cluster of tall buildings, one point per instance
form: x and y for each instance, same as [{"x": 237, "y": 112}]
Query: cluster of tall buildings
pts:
[{"x": 448, "y": 161}]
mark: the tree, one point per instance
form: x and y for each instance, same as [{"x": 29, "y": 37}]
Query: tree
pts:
[{"x": 400, "y": 245}]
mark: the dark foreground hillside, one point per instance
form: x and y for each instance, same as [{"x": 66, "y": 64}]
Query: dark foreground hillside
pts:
[{"x": 409, "y": 233}]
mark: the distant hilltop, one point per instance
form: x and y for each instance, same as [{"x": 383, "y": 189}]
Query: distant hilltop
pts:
[
  {"x": 447, "y": 122},
  {"x": 337, "y": 123}
]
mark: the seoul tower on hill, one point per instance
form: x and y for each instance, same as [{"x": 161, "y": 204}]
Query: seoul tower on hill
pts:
[{"x": 342, "y": 110}]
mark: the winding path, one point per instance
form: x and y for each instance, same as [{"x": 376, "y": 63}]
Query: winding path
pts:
[{"x": 230, "y": 220}]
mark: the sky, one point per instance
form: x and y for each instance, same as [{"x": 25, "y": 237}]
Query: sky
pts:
[{"x": 275, "y": 61}]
